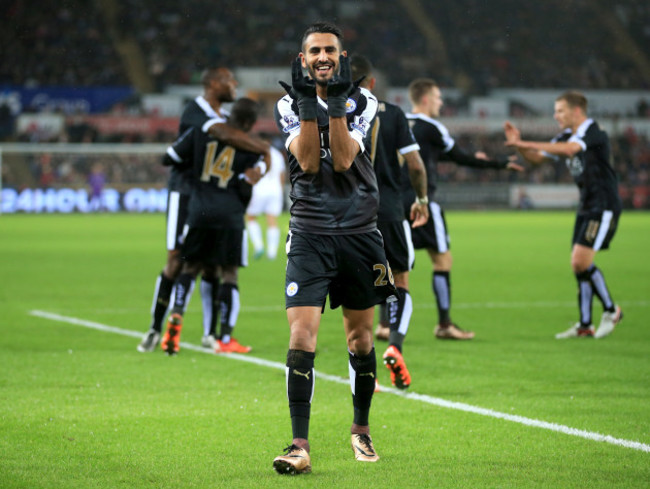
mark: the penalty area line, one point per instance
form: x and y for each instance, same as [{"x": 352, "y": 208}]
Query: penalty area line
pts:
[{"x": 436, "y": 401}]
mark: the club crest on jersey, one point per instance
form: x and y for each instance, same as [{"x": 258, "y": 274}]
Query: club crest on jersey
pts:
[
  {"x": 350, "y": 106},
  {"x": 290, "y": 123},
  {"x": 292, "y": 289}
]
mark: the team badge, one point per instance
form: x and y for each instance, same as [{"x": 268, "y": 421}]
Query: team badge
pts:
[
  {"x": 292, "y": 289},
  {"x": 350, "y": 106}
]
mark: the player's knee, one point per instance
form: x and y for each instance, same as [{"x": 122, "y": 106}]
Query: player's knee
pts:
[
  {"x": 360, "y": 341},
  {"x": 302, "y": 337},
  {"x": 580, "y": 262}
]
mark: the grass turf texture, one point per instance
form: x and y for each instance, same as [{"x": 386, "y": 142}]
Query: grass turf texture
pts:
[{"x": 81, "y": 408}]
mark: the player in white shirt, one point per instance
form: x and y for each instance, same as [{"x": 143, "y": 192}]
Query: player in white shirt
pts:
[{"x": 268, "y": 199}]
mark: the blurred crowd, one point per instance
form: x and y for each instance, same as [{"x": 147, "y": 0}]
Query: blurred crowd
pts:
[{"x": 472, "y": 44}]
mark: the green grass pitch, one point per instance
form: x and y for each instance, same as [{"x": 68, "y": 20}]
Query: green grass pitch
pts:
[{"x": 81, "y": 408}]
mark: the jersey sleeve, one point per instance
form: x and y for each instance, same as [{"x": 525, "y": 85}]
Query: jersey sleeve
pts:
[
  {"x": 181, "y": 150},
  {"x": 362, "y": 121},
  {"x": 439, "y": 134},
  {"x": 287, "y": 120}
]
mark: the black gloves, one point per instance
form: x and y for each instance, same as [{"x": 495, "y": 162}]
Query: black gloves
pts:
[
  {"x": 339, "y": 88},
  {"x": 303, "y": 91}
]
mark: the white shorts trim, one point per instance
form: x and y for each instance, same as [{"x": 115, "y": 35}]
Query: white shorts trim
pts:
[
  {"x": 439, "y": 226},
  {"x": 605, "y": 222},
  {"x": 172, "y": 219}
]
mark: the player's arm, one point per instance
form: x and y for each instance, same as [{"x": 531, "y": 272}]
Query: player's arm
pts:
[
  {"x": 241, "y": 140},
  {"x": 463, "y": 158},
  {"x": 343, "y": 147},
  {"x": 513, "y": 139},
  {"x": 418, "y": 177},
  {"x": 565, "y": 149},
  {"x": 305, "y": 145},
  {"x": 181, "y": 150}
]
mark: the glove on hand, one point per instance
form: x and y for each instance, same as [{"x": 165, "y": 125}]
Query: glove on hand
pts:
[
  {"x": 339, "y": 88},
  {"x": 303, "y": 91}
]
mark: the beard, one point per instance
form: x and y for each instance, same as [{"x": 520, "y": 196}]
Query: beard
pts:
[{"x": 319, "y": 81}]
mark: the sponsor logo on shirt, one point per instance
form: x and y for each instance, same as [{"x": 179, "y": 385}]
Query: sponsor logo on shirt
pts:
[{"x": 290, "y": 123}]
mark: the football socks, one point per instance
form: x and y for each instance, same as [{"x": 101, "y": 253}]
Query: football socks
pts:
[
  {"x": 442, "y": 291},
  {"x": 162, "y": 294},
  {"x": 363, "y": 372},
  {"x": 300, "y": 390}
]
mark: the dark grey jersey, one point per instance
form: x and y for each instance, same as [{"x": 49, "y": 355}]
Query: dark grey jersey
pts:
[
  {"x": 592, "y": 168},
  {"x": 216, "y": 170},
  {"x": 436, "y": 144},
  {"x": 330, "y": 202},
  {"x": 390, "y": 138},
  {"x": 197, "y": 113}
]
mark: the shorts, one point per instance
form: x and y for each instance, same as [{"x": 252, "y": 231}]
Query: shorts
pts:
[
  {"x": 216, "y": 246},
  {"x": 177, "y": 212},
  {"x": 398, "y": 244},
  {"x": 595, "y": 229},
  {"x": 433, "y": 235},
  {"x": 351, "y": 268}
]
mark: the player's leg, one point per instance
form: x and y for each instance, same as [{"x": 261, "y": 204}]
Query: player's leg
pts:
[
  {"x": 230, "y": 305},
  {"x": 591, "y": 233},
  {"x": 175, "y": 219},
  {"x": 272, "y": 236},
  {"x": 210, "y": 305},
  {"x": 363, "y": 372},
  {"x": 364, "y": 279},
  {"x": 612, "y": 313},
  {"x": 582, "y": 263},
  {"x": 273, "y": 210},
  {"x": 400, "y": 312},
  {"x": 304, "y": 322},
  {"x": 230, "y": 251},
  {"x": 382, "y": 331},
  {"x": 441, "y": 284},
  {"x": 310, "y": 260},
  {"x": 394, "y": 317},
  {"x": 255, "y": 232},
  {"x": 170, "y": 342}
]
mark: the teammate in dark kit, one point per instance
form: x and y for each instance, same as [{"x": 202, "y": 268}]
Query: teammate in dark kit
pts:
[
  {"x": 437, "y": 144},
  {"x": 392, "y": 146},
  {"x": 214, "y": 238},
  {"x": 333, "y": 247},
  {"x": 205, "y": 113},
  {"x": 586, "y": 150}
]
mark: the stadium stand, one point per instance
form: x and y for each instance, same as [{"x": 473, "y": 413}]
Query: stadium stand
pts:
[
  {"x": 555, "y": 44},
  {"x": 471, "y": 45}
]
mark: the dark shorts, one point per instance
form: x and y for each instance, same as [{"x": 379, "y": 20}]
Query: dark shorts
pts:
[
  {"x": 216, "y": 246},
  {"x": 398, "y": 244},
  {"x": 177, "y": 212},
  {"x": 595, "y": 229},
  {"x": 433, "y": 235},
  {"x": 352, "y": 268}
]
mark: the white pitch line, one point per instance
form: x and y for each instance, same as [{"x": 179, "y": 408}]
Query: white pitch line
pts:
[{"x": 436, "y": 401}]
